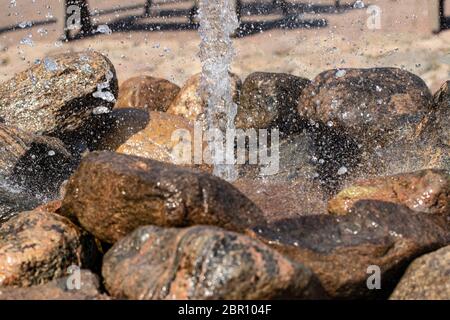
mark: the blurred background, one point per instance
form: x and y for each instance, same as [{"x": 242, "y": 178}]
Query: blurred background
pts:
[{"x": 293, "y": 36}]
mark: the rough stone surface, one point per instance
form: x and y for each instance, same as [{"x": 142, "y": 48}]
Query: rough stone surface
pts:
[
  {"x": 112, "y": 194},
  {"x": 427, "y": 278},
  {"x": 425, "y": 191},
  {"x": 57, "y": 95},
  {"x": 270, "y": 100},
  {"x": 339, "y": 250},
  {"x": 190, "y": 104},
  {"x": 36, "y": 162},
  {"x": 202, "y": 263},
  {"x": 36, "y": 247},
  {"x": 148, "y": 93},
  {"x": 441, "y": 117},
  {"x": 59, "y": 289},
  {"x": 165, "y": 138},
  {"x": 371, "y": 105}
]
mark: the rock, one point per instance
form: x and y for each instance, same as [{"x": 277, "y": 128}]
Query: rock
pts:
[
  {"x": 36, "y": 162},
  {"x": 37, "y": 247},
  {"x": 284, "y": 200},
  {"x": 370, "y": 105},
  {"x": 189, "y": 103},
  {"x": 270, "y": 100},
  {"x": 441, "y": 116},
  {"x": 161, "y": 138},
  {"x": 427, "y": 278},
  {"x": 293, "y": 158},
  {"x": 112, "y": 194},
  {"x": 14, "y": 200},
  {"x": 148, "y": 93},
  {"x": 59, "y": 289},
  {"x": 59, "y": 94},
  {"x": 202, "y": 263},
  {"x": 425, "y": 191},
  {"x": 113, "y": 129},
  {"x": 340, "y": 250}
]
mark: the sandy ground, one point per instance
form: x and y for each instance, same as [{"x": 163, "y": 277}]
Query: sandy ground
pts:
[{"x": 404, "y": 40}]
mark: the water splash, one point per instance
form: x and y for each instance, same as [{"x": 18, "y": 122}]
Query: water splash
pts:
[{"x": 218, "y": 21}]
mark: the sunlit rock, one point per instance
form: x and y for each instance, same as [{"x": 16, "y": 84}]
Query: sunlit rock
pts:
[
  {"x": 425, "y": 191},
  {"x": 270, "y": 100},
  {"x": 37, "y": 246},
  {"x": 344, "y": 252},
  {"x": 427, "y": 278},
  {"x": 58, "y": 94},
  {"x": 148, "y": 93},
  {"x": 202, "y": 263},
  {"x": 111, "y": 194},
  {"x": 189, "y": 102}
]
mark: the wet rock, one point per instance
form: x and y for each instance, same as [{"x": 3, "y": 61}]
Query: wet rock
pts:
[
  {"x": 427, "y": 278},
  {"x": 109, "y": 131},
  {"x": 292, "y": 158},
  {"x": 284, "y": 200},
  {"x": 189, "y": 103},
  {"x": 340, "y": 250},
  {"x": 148, "y": 93},
  {"x": 66, "y": 288},
  {"x": 202, "y": 263},
  {"x": 425, "y": 191},
  {"x": 58, "y": 94},
  {"x": 270, "y": 100},
  {"x": 36, "y": 162},
  {"x": 112, "y": 194},
  {"x": 36, "y": 247},
  {"x": 165, "y": 138},
  {"x": 14, "y": 200},
  {"x": 371, "y": 105}
]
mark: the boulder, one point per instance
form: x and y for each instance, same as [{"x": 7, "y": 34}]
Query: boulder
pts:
[
  {"x": 147, "y": 93},
  {"x": 425, "y": 191},
  {"x": 427, "y": 278},
  {"x": 371, "y": 105},
  {"x": 37, "y": 247},
  {"x": 270, "y": 100},
  {"x": 58, "y": 94},
  {"x": 202, "y": 263},
  {"x": 189, "y": 103},
  {"x": 112, "y": 194},
  {"x": 344, "y": 251}
]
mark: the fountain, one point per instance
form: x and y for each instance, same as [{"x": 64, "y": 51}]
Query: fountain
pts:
[{"x": 218, "y": 21}]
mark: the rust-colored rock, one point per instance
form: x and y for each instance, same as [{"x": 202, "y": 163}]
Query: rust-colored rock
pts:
[
  {"x": 37, "y": 247},
  {"x": 190, "y": 104},
  {"x": 165, "y": 139},
  {"x": 148, "y": 93},
  {"x": 202, "y": 263},
  {"x": 427, "y": 278},
  {"x": 270, "y": 100},
  {"x": 425, "y": 191},
  {"x": 59, "y": 94},
  {"x": 371, "y": 105},
  {"x": 112, "y": 194},
  {"x": 65, "y": 288},
  {"x": 339, "y": 250}
]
